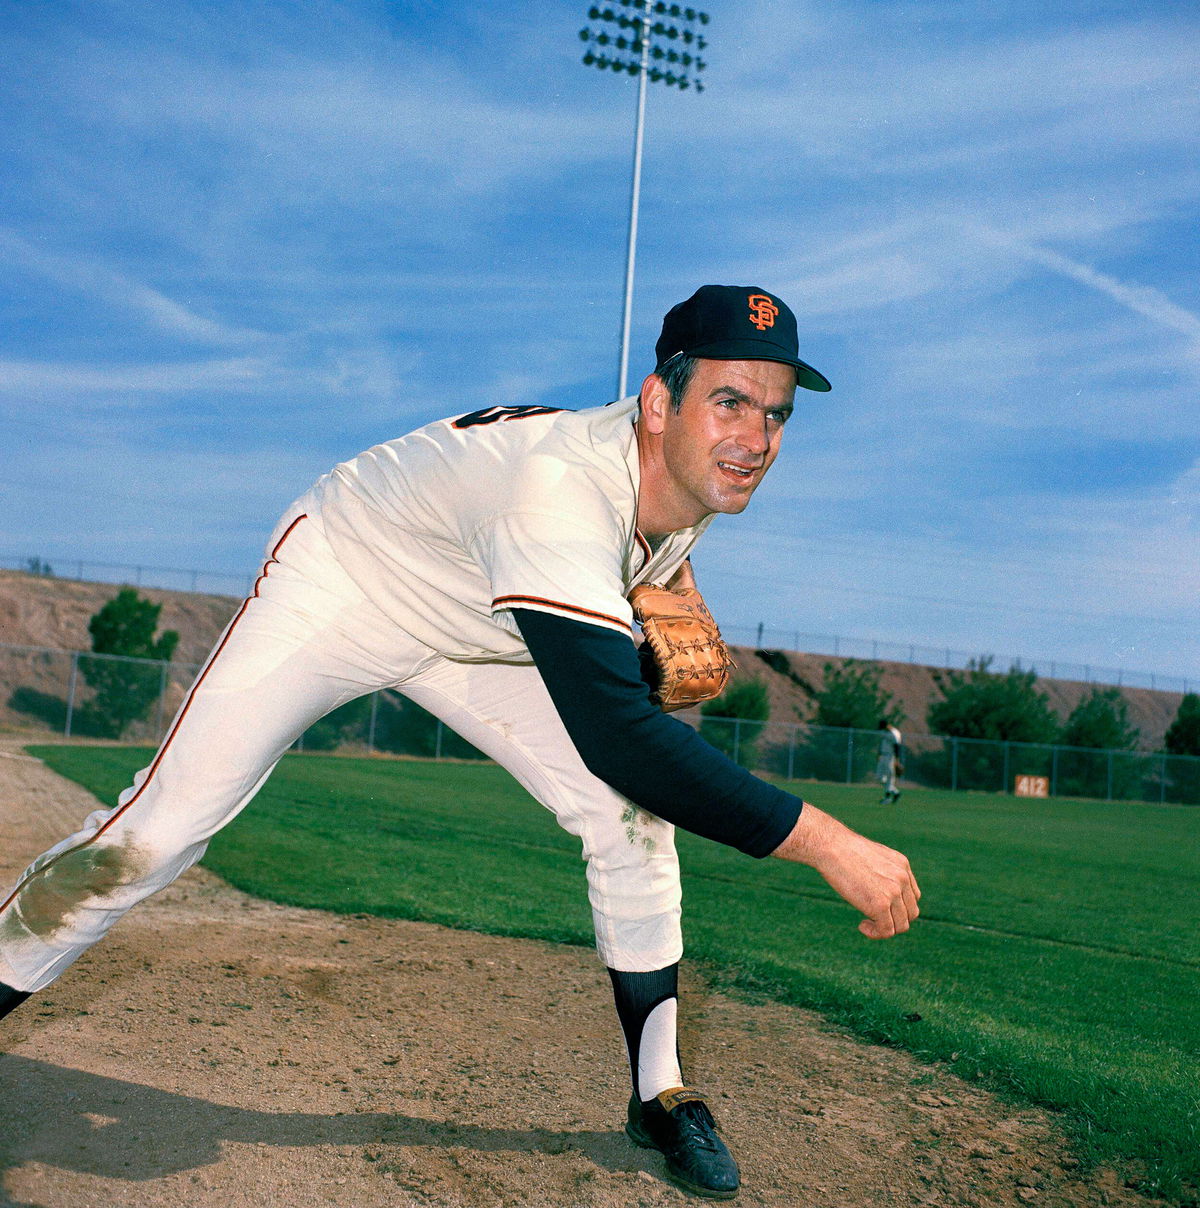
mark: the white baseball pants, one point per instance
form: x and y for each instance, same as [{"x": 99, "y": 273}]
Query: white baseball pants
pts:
[{"x": 306, "y": 641}]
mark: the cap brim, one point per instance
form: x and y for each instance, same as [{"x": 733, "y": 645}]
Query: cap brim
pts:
[{"x": 759, "y": 350}]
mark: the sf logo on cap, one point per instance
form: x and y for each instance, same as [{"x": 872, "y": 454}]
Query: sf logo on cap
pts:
[{"x": 762, "y": 311}]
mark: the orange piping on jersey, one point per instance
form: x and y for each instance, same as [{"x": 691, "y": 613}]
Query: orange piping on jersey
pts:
[
  {"x": 174, "y": 729},
  {"x": 509, "y": 601},
  {"x": 647, "y": 552}
]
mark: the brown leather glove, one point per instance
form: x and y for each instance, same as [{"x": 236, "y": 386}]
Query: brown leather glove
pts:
[{"x": 689, "y": 662}]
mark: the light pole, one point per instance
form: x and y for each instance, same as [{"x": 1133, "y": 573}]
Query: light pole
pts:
[{"x": 654, "y": 41}]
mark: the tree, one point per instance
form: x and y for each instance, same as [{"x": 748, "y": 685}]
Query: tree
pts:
[
  {"x": 981, "y": 703},
  {"x": 125, "y": 689},
  {"x": 1183, "y": 734},
  {"x": 851, "y": 697},
  {"x": 993, "y": 709},
  {"x": 733, "y": 721},
  {"x": 1183, "y": 739},
  {"x": 1100, "y": 722}
]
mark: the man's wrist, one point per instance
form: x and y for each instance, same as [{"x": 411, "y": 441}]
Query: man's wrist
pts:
[{"x": 808, "y": 838}]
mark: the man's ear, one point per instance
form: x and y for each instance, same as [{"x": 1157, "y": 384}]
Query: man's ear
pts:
[{"x": 655, "y": 403}]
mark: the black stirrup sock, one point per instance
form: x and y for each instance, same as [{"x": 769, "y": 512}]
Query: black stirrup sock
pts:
[
  {"x": 10, "y": 999},
  {"x": 646, "y": 1007}
]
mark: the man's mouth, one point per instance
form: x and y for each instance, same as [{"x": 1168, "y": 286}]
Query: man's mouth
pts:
[{"x": 739, "y": 471}]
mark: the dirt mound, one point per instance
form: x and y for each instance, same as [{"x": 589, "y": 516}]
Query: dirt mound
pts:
[{"x": 221, "y": 1052}]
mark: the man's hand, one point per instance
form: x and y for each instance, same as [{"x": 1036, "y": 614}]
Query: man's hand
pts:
[{"x": 872, "y": 878}]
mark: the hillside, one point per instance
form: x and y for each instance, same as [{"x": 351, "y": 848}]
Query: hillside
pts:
[
  {"x": 35, "y": 611},
  {"x": 914, "y": 687},
  {"x": 55, "y": 612}
]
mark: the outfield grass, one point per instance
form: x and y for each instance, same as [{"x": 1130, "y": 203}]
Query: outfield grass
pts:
[{"x": 1057, "y": 956}]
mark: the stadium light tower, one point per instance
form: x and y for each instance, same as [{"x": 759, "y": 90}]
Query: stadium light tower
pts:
[{"x": 657, "y": 42}]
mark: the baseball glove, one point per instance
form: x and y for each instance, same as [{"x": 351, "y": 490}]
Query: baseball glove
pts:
[{"x": 683, "y": 657}]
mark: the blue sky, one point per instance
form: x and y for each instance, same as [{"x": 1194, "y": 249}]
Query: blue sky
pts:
[{"x": 241, "y": 242}]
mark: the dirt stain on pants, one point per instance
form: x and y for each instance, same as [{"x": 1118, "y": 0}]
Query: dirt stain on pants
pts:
[{"x": 55, "y": 891}]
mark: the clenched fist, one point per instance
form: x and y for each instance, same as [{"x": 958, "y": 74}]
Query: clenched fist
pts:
[{"x": 871, "y": 877}]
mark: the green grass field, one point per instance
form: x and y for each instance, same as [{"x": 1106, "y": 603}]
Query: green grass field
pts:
[{"x": 1057, "y": 957}]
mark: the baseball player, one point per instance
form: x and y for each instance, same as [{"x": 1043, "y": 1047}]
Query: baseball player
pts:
[
  {"x": 889, "y": 765},
  {"x": 482, "y": 566}
]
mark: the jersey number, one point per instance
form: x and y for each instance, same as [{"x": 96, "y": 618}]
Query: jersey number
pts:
[{"x": 489, "y": 415}]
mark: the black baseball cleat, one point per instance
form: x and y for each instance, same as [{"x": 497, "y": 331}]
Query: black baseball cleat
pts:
[
  {"x": 10, "y": 998},
  {"x": 679, "y": 1124}
]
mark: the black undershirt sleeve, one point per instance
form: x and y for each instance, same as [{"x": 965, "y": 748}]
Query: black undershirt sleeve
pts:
[{"x": 658, "y": 762}]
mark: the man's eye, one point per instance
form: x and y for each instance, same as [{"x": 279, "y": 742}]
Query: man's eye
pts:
[
  {"x": 731, "y": 403},
  {"x": 778, "y": 417}
]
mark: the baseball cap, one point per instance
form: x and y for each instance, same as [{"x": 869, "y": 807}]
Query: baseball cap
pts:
[{"x": 735, "y": 323}]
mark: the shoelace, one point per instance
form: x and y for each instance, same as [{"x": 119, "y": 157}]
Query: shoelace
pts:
[{"x": 695, "y": 1121}]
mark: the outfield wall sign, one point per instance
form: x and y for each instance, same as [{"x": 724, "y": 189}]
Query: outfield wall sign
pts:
[{"x": 1033, "y": 786}]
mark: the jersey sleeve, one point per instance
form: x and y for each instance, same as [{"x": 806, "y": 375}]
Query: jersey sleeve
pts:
[
  {"x": 656, "y": 761},
  {"x": 548, "y": 562}
]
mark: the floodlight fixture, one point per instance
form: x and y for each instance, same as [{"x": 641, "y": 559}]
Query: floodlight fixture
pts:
[{"x": 669, "y": 34}]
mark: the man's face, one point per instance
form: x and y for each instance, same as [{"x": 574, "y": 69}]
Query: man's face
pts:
[{"x": 725, "y": 435}]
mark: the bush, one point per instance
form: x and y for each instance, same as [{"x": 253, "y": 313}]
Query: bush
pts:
[
  {"x": 1100, "y": 722},
  {"x": 1183, "y": 734},
  {"x": 124, "y": 687},
  {"x": 733, "y": 721},
  {"x": 1183, "y": 738},
  {"x": 981, "y": 704},
  {"x": 851, "y": 698}
]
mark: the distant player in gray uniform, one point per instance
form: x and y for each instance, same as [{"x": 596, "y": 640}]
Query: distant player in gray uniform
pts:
[
  {"x": 482, "y": 566},
  {"x": 889, "y": 765}
]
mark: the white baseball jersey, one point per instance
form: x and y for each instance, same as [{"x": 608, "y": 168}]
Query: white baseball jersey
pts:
[{"x": 449, "y": 528}]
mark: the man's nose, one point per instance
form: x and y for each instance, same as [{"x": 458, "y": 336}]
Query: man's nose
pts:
[{"x": 753, "y": 435}]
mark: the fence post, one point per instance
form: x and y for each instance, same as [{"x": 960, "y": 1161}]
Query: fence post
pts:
[
  {"x": 849, "y": 756},
  {"x": 371, "y": 726},
  {"x": 954, "y": 765},
  {"x": 1110, "y": 776},
  {"x": 737, "y": 725},
  {"x": 437, "y": 750},
  {"x": 71, "y": 692},
  {"x": 1004, "y": 783},
  {"x": 760, "y": 633},
  {"x": 1162, "y": 781},
  {"x": 162, "y": 700},
  {"x": 1054, "y": 772},
  {"x": 792, "y": 755}
]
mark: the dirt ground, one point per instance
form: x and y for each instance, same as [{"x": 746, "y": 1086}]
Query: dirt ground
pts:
[{"x": 221, "y": 1051}]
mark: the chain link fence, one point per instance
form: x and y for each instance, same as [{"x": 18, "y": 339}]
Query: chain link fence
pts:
[
  {"x": 108, "y": 696},
  {"x": 181, "y": 579},
  {"x": 873, "y": 650}
]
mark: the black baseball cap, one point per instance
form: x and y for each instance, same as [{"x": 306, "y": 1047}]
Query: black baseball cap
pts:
[{"x": 735, "y": 323}]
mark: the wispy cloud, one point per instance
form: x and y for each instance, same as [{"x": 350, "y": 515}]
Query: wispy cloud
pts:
[
  {"x": 104, "y": 284},
  {"x": 34, "y": 378},
  {"x": 1144, "y": 300}
]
